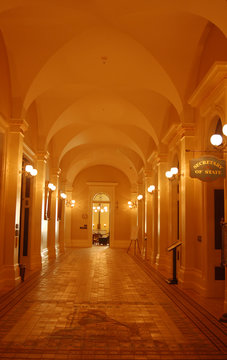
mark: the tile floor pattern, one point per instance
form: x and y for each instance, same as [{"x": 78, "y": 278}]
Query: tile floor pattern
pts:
[{"x": 98, "y": 303}]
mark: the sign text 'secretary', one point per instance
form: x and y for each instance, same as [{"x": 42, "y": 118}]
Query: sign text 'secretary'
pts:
[{"x": 207, "y": 168}]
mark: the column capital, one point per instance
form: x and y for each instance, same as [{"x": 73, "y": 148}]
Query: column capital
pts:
[
  {"x": 42, "y": 155},
  {"x": 186, "y": 129},
  {"x": 55, "y": 172},
  {"x": 18, "y": 126},
  {"x": 147, "y": 173},
  {"x": 162, "y": 158}
]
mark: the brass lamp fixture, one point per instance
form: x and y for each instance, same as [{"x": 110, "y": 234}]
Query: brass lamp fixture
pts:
[
  {"x": 132, "y": 204},
  {"x": 63, "y": 195},
  {"x": 48, "y": 192},
  {"x": 173, "y": 173},
  {"x": 30, "y": 171},
  {"x": 217, "y": 139},
  {"x": 151, "y": 189},
  {"x": 70, "y": 203}
]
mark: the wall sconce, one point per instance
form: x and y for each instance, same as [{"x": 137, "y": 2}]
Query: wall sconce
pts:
[
  {"x": 151, "y": 189},
  {"x": 217, "y": 138},
  {"x": 70, "y": 203},
  {"x": 48, "y": 191},
  {"x": 172, "y": 173},
  {"x": 30, "y": 171},
  {"x": 61, "y": 198},
  {"x": 139, "y": 197},
  {"x": 132, "y": 204}
]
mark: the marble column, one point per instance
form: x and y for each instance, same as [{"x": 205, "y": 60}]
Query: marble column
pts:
[
  {"x": 67, "y": 218},
  {"x": 163, "y": 213},
  {"x": 61, "y": 204},
  {"x": 12, "y": 198},
  {"x": 38, "y": 202},
  {"x": 52, "y": 236},
  {"x": 148, "y": 215},
  {"x": 140, "y": 209},
  {"x": 186, "y": 211}
]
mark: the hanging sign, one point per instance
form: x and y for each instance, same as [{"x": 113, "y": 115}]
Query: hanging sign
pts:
[{"x": 207, "y": 168}]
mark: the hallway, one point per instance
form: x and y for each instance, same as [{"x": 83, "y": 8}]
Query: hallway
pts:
[{"x": 99, "y": 303}]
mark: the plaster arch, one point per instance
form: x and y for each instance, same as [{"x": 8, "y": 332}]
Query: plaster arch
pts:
[
  {"x": 103, "y": 135},
  {"x": 102, "y": 159},
  {"x": 105, "y": 109},
  {"x": 87, "y": 51}
]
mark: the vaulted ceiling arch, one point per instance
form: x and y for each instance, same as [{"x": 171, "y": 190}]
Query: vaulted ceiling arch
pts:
[
  {"x": 108, "y": 58},
  {"x": 102, "y": 135}
]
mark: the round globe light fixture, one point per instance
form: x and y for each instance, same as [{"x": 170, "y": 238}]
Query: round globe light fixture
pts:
[
  {"x": 169, "y": 174},
  {"x": 151, "y": 188},
  {"x": 224, "y": 129},
  {"x": 139, "y": 197},
  {"x": 216, "y": 140},
  {"x": 174, "y": 170},
  {"x": 63, "y": 195}
]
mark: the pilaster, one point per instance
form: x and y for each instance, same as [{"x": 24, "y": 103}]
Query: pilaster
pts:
[
  {"x": 148, "y": 214},
  {"x": 53, "y": 231},
  {"x": 67, "y": 218},
  {"x": 163, "y": 206},
  {"x": 140, "y": 212},
  {"x": 61, "y": 220},
  {"x": 14, "y": 153},
  {"x": 186, "y": 210},
  {"x": 35, "y": 261}
]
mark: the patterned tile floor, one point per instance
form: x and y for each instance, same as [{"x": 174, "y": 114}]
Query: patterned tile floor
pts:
[{"x": 99, "y": 303}]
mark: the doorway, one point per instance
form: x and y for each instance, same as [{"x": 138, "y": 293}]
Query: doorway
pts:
[{"x": 101, "y": 220}]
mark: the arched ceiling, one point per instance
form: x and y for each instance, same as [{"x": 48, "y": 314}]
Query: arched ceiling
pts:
[{"x": 107, "y": 79}]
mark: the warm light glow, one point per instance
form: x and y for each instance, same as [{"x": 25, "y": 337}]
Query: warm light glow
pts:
[
  {"x": 151, "y": 188},
  {"x": 174, "y": 170},
  {"x": 28, "y": 168},
  {"x": 96, "y": 210},
  {"x": 94, "y": 207},
  {"x": 216, "y": 140},
  {"x": 130, "y": 206},
  {"x": 98, "y": 207},
  {"x": 139, "y": 197},
  {"x": 169, "y": 174},
  {"x": 129, "y": 203},
  {"x": 104, "y": 225},
  {"x": 102, "y": 210},
  {"x": 63, "y": 195},
  {"x": 51, "y": 186},
  {"x": 34, "y": 172},
  {"x": 224, "y": 129},
  {"x": 73, "y": 201}
]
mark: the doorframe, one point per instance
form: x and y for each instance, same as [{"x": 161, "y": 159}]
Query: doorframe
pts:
[{"x": 107, "y": 188}]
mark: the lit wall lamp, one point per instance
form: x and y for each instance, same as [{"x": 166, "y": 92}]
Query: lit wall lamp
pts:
[
  {"x": 132, "y": 204},
  {"x": 172, "y": 173},
  {"x": 51, "y": 187},
  {"x": 61, "y": 198},
  {"x": 30, "y": 171},
  {"x": 139, "y": 197},
  {"x": 48, "y": 192},
  {"x": 70, "y": 203},
  {"x": 217, "y": 139},
  {"x": 151, "y": 189}
]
